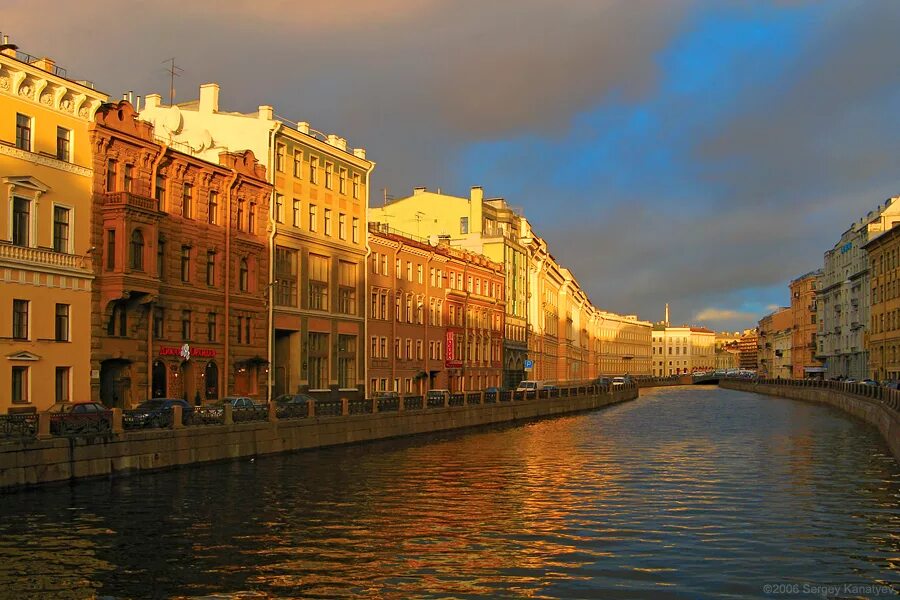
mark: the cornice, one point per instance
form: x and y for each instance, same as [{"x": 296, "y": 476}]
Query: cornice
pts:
[{"x": 45, "y": 161}]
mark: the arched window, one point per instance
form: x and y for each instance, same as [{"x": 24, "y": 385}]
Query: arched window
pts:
[
  {"x": 244, "y": 278},
  {"x": 137, "y": 250}
]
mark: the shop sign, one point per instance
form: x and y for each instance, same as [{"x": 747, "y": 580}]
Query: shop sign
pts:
[
  {"x": 449, "y": 361},
  {"x": 186, "y": 352}
]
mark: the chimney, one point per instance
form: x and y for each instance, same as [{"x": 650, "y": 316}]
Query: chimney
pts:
[
  {"x": 152, "y": 101},
  {"x": 266, "y": 112},
  {"x": 209, "y": 98},
  {"x": 359, "y": 153},
  {"x": 137, "y": 103},
  {"x": 667, "y": 314},
  {"x": 476, "y": 204},
  {"x": 477, "y": 194},
  {"x": 8, "y": 49},
  {"x": 303, "y": 127},
  {"x": 419, "y": 190},
  {"x": 45, "y": 64}
]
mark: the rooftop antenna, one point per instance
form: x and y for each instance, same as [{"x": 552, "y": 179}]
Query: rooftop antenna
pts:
[{"x": 174, "y": 71}]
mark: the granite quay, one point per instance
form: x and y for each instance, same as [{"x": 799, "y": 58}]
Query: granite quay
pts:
[{"x": 33, "y": 451}]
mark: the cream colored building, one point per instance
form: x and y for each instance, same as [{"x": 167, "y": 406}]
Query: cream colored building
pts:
[
  {"x": 45, "y": 255},
  {"x": 774, "y": 343},
  {"x": 843, "y": 297},
  {"x": 318, "y": 216},
  {"x": 727, "y": 350},
  {"x": 484, "y": 226},
  {"x": 680, "y": 350},
  {"x": 625, "y": 345}
]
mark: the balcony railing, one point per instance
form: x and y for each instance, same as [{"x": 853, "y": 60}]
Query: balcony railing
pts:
[
  {"x": 130, "y": 199},
  {"x": 40, "y": 256}
]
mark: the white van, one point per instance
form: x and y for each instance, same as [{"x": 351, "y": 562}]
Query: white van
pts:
[{"x": 530, "y": 385}]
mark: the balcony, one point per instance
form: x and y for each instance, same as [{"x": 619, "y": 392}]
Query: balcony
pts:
[
  {"x": 129, "y": 200},
  {"x": 42, "y": 257}
]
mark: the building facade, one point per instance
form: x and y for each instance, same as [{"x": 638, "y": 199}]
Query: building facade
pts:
[
  {"x": 774, "y": 343},
  {"x": 843, "y": 298},
  {"x": 318, "y": 218},
  {"x": 748, "y": 350},
  {"x": 435, "y": 316},
  {"x": 625, "y": 345},
  {"x": 883, "y": 336},
  {"x": 45, "y": 251},
  {"x": 681, "y": 350},
  {"x": 727, "y": 351},
  {"x": 180, "y": 286},
  {"x": 804, "y": 313},
  {"x": 490, "y": 227}
]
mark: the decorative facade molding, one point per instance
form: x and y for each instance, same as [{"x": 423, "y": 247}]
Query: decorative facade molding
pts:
[{"x": 45, "y": 161}]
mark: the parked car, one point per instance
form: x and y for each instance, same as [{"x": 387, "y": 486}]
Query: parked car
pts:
[
  {"x": 494, "y": 390},
  {"x": 437, "y": 397},
  {"x": 871, "y": 382},
  {"x": 530, "y": 385},
  {"x": 293, "y": 399},
  {"x": 71, "y": 418},
  {"x": 386, "y": 394},
  {"x": 619, "y": 381},
  {"x": 239, "y": 402},
  {"x": 157, "y": 413}
]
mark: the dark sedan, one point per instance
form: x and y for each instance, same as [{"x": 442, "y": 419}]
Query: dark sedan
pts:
[
  {"x": 156, "y": 413},
  {"x": 77, "y": 418}
]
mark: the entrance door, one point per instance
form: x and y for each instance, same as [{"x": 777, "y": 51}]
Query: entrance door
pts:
[
  {"x": 160, "y": 381},
  {"x": 115, "y": 383}
]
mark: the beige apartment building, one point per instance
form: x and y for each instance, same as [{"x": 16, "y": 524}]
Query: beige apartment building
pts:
[
  {"x": 683, "y": 349},
  {"x": 46, "y": 257},
  {"x": 318, "y": 218},
  {"x": 774, "y": 343}
]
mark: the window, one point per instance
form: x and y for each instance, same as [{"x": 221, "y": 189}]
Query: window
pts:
[
  {"x": 346, "y": 361},
  {"x": 111, "y": 167},
  {"x": 110, "y": 249},
  {"x": 21, "y": 222},
  {"x": 318, "y": 361},
  {"x": 159, "y": 327},
  {"x": 285, "y": 276},
  {"x": 60, "y": 229},
  {"x": 313, "y": 218},
  {"x": 23, "y": 132},
  {"x": 119, "y": 317},
  {"x": 244, "y": 276},
  {"x": 62, "y": 384},
  {"x": 160, "y": 258},
  {"x": 186, "y": 263},
  {"x": 298, "y": 164},
  {"x": 210, "y": 267},
  {"x": 374, "y": 349},
  {"x": 398, "y": 268},
  {"x": 384, "y": 265},
  {"x": 419, "y": 273},
  {"x": 279, "y": 208},
  {"x": 318, "y": 282},
  {"x": 213, "y": 208},
  {"x": 187, "y": 192},
  {"x": 63, "y": 144},
  {"x": 409, "y": 271},
  {"x": 20, "y": 320},
  {"x": 342, "y": 226},
  {"x": 347, "y": 287},
  {"x": 20, "y": 385},
  {"x": 62, "y": 323},
  {"x": 464, "y": 225},
  {"x": 211, "y": 326},
  {"x": 329, "y": 175},
  {"x": 296, "y": 219},
  {"x": 137, "y": 250},
  {"x": 160, "y": 191},
  {"x": 279, "y": 158},
  {"x": 314, "y": 169},
  {"x": 129, "y": 177},
  {"x": 420, "y": 348},
  {"x": 356, "y": 185},
  {"x": 240, "y": 214},
  {"x": 247, "y": 329},
  {"x": 240, "y": 329},
  {"x": 342, "y": 181},
  {"x": 355, "y": 230},
  {"x": 186, "y": 325},
  {"x": 251, "y": 218},
  {"x": 328, "y": 221}
]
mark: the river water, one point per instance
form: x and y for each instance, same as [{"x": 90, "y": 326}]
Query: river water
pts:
[{"x": 689, "y": 492}]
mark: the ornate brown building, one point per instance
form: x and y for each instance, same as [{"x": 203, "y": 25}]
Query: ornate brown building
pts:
[{"x": 181, "y": 267}]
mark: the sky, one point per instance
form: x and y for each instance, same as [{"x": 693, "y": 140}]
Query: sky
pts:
[{"x": 697, "y": 152}]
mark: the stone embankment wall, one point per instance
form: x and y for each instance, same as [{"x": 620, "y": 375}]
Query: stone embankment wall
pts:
[
  {"x": 873, "y": 411},
  {"x": 41, "y": 461},
  {"x": 665, "y": 381}
]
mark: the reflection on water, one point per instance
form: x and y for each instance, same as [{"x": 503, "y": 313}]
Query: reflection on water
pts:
[{"x": 685, "y": 493}]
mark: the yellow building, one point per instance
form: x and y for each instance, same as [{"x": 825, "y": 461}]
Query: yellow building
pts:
[
  {"x": 727, "y": 351},
  {"x": 490, "y": 227},
  {"x": 318, "y": 219},
  {"x": 45, "y": 258},
  {"x": 684, "y": 349},
  {"x": 883, "y": 335},
  {"x": 625, "y": 345}
]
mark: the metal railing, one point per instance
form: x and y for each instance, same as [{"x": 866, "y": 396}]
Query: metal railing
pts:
[
  {"x": 29, "y": 426},
  {"x": 887, "y": 396}
]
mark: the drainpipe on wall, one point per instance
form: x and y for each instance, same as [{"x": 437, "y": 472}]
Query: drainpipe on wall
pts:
[
  {"x": 154, "y": 170},
  {"x": 270, "y": 282},
  {"x": 365, "y": 231},
  {"x": 227, "y": 360}
]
